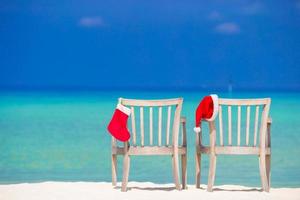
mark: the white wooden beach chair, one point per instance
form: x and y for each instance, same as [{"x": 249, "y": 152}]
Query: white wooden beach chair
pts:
[
  {"x": 217, "y": 146},
  {"x": 144, "y": 110}
]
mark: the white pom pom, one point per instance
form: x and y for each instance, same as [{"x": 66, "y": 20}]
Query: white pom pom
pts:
[{"x": 197, "y": 129}]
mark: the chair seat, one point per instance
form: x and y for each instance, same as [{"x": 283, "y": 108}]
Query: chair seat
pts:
[
  {"x": 149, "y": 150},
  {"x": 233, "y": 150}
]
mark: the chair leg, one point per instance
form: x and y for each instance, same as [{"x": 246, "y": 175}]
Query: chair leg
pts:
[
  {"x": 263, "y": 172},
  {"x": 126, "y": 166},
  {"x": 114, "y": 169},
  {"x": 212, "y": 172},
  {"x": 268, "y": 166},
  {"x": 176, "y": 171},
  {"x": 198, "y": 169},
  {"x": 184, "y": 171}
]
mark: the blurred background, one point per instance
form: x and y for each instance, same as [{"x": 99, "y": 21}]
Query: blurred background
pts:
[{"x": 150, "y": 44}]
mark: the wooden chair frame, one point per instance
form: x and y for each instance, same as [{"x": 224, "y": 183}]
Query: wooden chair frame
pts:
[
  {"x": 172, "y": 149},
  {"x": 263, "y": 150}
]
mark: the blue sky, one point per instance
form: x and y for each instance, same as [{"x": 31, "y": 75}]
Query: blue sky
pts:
[{"x": 150, "y": 44}]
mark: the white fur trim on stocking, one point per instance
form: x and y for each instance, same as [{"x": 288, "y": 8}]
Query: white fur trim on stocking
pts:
[{"x": 123, "y": 109}]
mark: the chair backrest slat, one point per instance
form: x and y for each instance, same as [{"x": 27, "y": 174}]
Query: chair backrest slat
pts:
[
  {"x": 229, "y": 126},
  {"x": 247, "y": 125},
  {"x": 256, "y": 125},
  {"x": 142, "y": 125},
  {"x": 156, "y": 109},
  {"x": 239, "y": 126},
  {"x": 168, "y": 126},
  {"x": 159, "y": 125},
  {"x": 133, "y": 126},
  {"x": 151, "y": 125},
  {"x": 221, "y": 125}
]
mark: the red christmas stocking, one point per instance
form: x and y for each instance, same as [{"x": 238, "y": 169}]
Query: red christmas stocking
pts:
[{"x": 118, "y": 124}]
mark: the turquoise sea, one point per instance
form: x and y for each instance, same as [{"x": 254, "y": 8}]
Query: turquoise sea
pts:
[{"x": 61, "y": 136}]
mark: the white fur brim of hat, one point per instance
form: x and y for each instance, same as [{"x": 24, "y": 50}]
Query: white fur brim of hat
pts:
[
  {"x": 216, "y": 107},
  {"x": 215, "y": 100}
]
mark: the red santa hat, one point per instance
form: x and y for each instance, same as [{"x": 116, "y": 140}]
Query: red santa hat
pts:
[
  {"x": 207, "y": 110},
  {"x": 118, "y": 124}
]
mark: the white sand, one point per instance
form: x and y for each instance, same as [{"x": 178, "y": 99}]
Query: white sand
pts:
[{"x": 137, "y": 191}]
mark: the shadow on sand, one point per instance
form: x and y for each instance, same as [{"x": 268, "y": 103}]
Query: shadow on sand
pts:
[
  {"x": 148, "y": 188},
  {"x": 238, "y": 190},
  {"x": 201, "y": 188}
]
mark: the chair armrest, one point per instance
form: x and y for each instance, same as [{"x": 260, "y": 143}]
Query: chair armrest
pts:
[
  {"x": 268, "y": 136},
  {"x": 113, "y": 142},
  {"x": 126, "y": 147},
  {"x": 183, "y": 122},
  {"x": 269, "y": 121}
]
